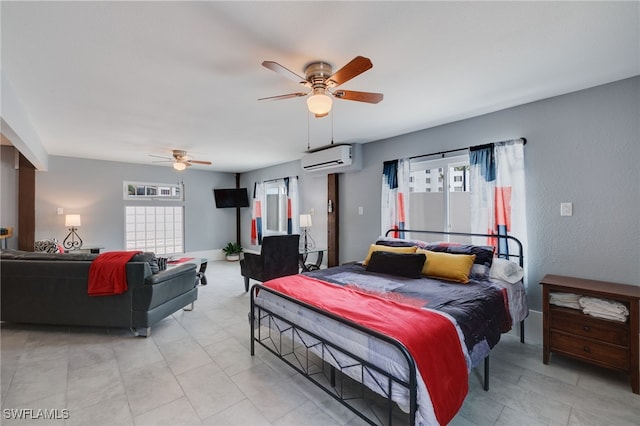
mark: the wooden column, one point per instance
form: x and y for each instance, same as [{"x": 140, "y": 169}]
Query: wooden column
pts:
[
  {"x": 238, "y": 212},
  {"x": 333, "y": 221},
  {"x": 26, "y": 204}
]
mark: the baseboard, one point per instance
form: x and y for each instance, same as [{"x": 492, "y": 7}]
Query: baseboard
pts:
[{"x": 532, "y": 328}]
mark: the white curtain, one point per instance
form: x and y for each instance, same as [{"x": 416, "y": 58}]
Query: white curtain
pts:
[
  {"x": 293, "y": 205},
  {"x": 395, "y": 197},
  {"x": 498, "y": 193},
  {"x": 258, "y": 201}
]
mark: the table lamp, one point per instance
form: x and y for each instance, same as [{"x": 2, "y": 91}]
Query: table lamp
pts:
[
  {"x": 73, "y": 240},
  {"x": 305, "y": 224}
]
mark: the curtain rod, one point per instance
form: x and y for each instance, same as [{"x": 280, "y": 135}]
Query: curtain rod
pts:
[
  {"x": 282, "y": 178},
  {"x": 442, "y": 153}
]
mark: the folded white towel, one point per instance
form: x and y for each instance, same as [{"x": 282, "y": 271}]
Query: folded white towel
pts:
[
  {"x": 567, "y": 300},
  {"x": 603, "y": 305},
  {"x": 606, "y": 315},
  {"x": 556, "y": 295},
  {"x": 604, "y": 308}
]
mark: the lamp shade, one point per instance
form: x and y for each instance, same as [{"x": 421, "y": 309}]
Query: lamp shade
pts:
[
  {"x": 72, "y": 220},
  {"x": 305, "y": 221},
  {"x": 319, "y": 104},
  {"x": 179, "y": 166}
]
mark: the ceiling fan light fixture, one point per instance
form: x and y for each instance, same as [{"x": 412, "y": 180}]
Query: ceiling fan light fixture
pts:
[
  {"x": 319, "y": 104},
  {"x": 179, "y": 166}
]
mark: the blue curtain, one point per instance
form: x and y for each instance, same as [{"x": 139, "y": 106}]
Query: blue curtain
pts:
[{"x": 394, "y": 200}]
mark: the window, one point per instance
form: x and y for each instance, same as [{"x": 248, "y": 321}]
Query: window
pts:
[
  {"x": 152, "y": 191},
  {"x": 442, "y": 203},
  {"x": 154, "y": 228},
  {"x": 275, "y": 213}
]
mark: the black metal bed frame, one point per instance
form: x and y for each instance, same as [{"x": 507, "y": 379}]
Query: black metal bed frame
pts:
[
  {"x": 519, "y": 256},
  {"x": 318, "y": 360},
  {"x": 288, "y": 344}
]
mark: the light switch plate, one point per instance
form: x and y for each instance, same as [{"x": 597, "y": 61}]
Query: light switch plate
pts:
[{"x": 566, "y": 209}]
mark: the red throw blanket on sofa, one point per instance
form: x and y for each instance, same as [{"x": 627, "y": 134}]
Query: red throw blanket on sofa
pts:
[
  {"x": 431, "y": 338},
  {"x": 108, "y": 273}
]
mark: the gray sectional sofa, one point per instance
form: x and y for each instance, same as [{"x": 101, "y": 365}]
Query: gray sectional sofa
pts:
[{"x": 44, "y": 288}]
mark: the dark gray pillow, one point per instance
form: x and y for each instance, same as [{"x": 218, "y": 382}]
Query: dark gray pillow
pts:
[
  {"x": 400, "y": 264},
  {"x": 148, "y": 257}
]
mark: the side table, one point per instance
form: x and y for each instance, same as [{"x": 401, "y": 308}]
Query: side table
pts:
[
  {"x": 8, "y": 233},
  {"x": 607, "y": 343},
  {"x": 304, "y": 254}
]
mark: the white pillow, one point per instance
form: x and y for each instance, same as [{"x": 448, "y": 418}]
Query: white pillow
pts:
[{"x": 506, "y": 270}]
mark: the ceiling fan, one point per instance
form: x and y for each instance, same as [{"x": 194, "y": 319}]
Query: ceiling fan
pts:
[
  {"x": 180, "y": 160},
  {"x": 320, "y": 78}
]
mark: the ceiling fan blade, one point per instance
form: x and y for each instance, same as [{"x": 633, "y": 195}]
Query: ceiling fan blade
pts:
[
  {"x": 207, "y": 163},
  {"x": 158, "y": 156},
  {"x": 290, "y": 95},
  {"x": 274, "y": 66},
  {"x": 162, "y": 161},
  {"x": 357, "y": 66},
  {"x": 351, "y": 95}
]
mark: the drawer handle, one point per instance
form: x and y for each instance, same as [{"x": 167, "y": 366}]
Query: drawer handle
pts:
[
  {"x": 586, "y": 328},
  {"x": 587, "y": 349}
]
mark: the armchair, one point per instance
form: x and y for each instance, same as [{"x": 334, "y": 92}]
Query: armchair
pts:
[{"x": 278, "y": 257}]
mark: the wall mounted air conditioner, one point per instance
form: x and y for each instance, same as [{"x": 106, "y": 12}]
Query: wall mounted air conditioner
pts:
[{"x": 337, "y": 158}]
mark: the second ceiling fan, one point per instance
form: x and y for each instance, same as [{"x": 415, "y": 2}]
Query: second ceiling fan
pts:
[
  {"x": 180, "y": 160},
  {"x": 320, "y": 78}
]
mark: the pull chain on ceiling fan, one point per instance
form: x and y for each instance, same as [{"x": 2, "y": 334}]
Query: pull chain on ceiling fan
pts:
[{"x": 322, "y": 82}]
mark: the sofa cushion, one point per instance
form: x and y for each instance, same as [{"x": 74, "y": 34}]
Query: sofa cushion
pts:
[
  {"x": 150, "y": 258},
  {"x": 38, "y": 255}
]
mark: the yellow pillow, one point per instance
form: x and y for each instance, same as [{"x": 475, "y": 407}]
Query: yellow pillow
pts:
[
  {"x": 453, "y": 267},
  {"x": 401, "y": 250}
]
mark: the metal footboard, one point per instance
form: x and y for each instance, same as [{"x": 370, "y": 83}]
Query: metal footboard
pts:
[{"x": 319, "y": 360}]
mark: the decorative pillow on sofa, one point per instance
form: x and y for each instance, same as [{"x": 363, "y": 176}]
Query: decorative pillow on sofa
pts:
[
  {"x": 374, "y": 247},
  {"x": 403, "y": 265},
  {"x": 148, "y": 257},
  {"x": 452, "y": 267},
  {"x": 47, "y": 246}
]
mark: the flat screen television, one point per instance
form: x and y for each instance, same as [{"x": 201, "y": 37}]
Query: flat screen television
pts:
[{"x": 231, "y": 198}]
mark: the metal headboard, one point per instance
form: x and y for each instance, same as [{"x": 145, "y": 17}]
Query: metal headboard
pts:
[{"x": 519, "y": 255}]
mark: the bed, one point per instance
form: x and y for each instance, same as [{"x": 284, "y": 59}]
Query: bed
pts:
[{"x": 387, "y": 341}]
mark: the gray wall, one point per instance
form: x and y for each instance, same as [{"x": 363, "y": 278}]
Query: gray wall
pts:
[
  {"x": 94, "y": 189},
  {"x": 583, "y": 147}
]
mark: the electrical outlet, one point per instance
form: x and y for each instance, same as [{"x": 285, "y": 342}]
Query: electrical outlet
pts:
[
  {"x": 60, "y": 211},
  {"x": 566, "y": 209}
]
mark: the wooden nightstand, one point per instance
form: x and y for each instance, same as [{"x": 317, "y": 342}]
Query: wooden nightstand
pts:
[{"x": 607, "y": 343}]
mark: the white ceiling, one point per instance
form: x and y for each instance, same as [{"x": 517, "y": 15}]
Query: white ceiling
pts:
[{"x": 122, "y": 80}]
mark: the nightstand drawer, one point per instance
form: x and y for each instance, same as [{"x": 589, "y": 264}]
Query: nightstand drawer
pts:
[
  {"x": 576, "y": 322},
  {"x": 590, "y": 350}
]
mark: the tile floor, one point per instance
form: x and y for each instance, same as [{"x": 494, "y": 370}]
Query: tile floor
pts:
[{"x": 195, "y": 369}]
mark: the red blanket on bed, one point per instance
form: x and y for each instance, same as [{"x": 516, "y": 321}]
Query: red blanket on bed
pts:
[
  {"x": 108, "y": 273},
  {"x": 431, "y": 338}
]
